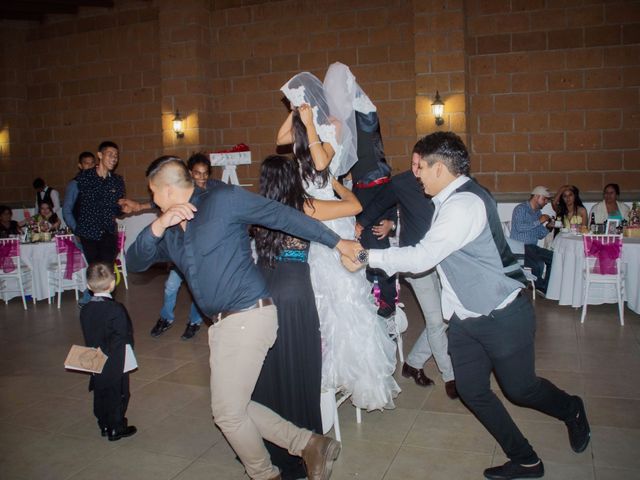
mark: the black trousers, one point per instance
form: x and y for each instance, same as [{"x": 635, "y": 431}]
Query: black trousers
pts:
[
  {"x": 110, "y": 403},
  {"x": 503, "y": 341},
  {"x": 103, "y": 250},
  {"x": 369, "y": 241}
]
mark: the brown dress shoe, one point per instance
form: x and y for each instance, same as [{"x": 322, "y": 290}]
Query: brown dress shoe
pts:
[
  {"x": 417, "y": 374},
  {"x": 450, "y": 388},
  {"x": 319, "y": 455}
]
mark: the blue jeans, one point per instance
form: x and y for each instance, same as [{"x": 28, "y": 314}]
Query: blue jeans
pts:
[{"x": 171, "y": 288}]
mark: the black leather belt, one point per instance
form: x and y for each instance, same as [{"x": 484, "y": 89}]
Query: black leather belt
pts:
[{"x": 263, "y": 302}]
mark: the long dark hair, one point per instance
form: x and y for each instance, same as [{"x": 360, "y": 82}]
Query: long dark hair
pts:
[
  {"x": 302, "y": 152},
  {"x": 279, "y": 181},
  {"x": 563, "y": 210}
]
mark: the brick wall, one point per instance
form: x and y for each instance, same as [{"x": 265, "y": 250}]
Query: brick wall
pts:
[
  {"x": 257, "y": 48},
  {"x": 554, "y": 93},
  {"x": 542, "y": 92}
]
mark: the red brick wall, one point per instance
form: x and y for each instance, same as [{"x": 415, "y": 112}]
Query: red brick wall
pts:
[
  {"x": 257, "y": 48},
  {"x": 554, "y": 93}
]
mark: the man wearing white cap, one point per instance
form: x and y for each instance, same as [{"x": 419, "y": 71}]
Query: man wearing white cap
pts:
[{"x": 528, "y": 225}]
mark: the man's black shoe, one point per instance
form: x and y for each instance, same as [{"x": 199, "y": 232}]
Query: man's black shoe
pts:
[
  {"x": 578, "y": 427},
  {"x": 190, "y": 331},
  {"x": 104, "y": 431},
  {"x": 512, "y": 470},
  {"x": 385, "y": 311},
  {"x": 162, "y": 326},
  {"x": 118, "y": 433}
]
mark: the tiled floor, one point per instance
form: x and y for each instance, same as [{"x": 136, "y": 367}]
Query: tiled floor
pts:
[{"x": 47, "y": 430}]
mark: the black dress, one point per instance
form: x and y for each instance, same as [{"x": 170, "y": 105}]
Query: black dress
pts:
[{"x": 290, "y": 379}]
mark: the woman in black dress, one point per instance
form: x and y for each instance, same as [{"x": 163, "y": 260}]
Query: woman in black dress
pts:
[{"x": 290, "y": 379}]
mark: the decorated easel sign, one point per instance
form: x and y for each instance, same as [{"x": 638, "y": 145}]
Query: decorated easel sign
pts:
[{"x": 230, "y": 159}]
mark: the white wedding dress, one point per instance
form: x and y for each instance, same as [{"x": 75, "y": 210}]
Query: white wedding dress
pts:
[{"x": 357, "y": 354}]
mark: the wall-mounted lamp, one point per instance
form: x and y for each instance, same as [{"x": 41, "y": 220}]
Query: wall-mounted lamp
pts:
[
  {"x": 437, "y": 108},
  {"x": 178, "y": 125}
]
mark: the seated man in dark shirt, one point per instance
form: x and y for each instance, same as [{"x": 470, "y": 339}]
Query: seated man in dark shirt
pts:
[{"x": 205, "y": 234}]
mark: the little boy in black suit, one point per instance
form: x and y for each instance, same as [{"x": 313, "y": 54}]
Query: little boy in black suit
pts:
[{"x": 106, "y": 324}]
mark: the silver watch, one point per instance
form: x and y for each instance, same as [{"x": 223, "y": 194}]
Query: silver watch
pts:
[{"x": 363, "y": 256}]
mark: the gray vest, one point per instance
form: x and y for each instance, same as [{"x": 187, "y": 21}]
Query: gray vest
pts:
[{"x": 484, "y": 272}]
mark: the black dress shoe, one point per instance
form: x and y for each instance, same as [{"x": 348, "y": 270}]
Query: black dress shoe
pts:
[
  {"x": 118, "y": 433},
  {"x": 104, "y": 431},
  {"x": 512, "y": 470},
  {"x": 450, "y": 388},
  {"x": 161, "y": 326},
  {"x": 578, "y": 427},
  {"x": 417, "y": 374},
  {"x": 190, "y": 331}
]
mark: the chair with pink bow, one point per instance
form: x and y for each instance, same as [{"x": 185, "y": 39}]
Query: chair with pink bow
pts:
[
  {"x": 69, "y": 269},
  {"x": 14, "y": 276},
  {"x": 120, "y": 257},
  {"x": 603, "y": 265}
]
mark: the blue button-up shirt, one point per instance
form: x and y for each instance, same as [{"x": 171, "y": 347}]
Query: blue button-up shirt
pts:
[
  {"x": 526, "y": 226},
  {"x": 70, "y": 198},
  {"x": 214, "y": 252}
]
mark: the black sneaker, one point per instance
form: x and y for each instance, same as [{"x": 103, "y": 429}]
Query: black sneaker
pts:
[
  {"x": 578, "y": 427},
  {"x": 512, "y": 470},
  {"x": 385, "y": 311},
  {"x": 162, "y": 326},
  {"x": 190, "y": 331}
]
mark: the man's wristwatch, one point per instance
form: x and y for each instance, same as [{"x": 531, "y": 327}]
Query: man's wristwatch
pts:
[{"x": 363, "y": 256}]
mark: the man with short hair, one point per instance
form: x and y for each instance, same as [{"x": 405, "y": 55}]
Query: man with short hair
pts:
[
  {"x": 205, "y": 234},
  {"x": 70, "y": 206},
  {"x": 99, "y": 190},
  {"x": 491, "y": 322},
  {"x": 45, "y": 193},
  {"x": 200, "y": 169},
  {"x": 528, "y": 225},
  {"x": 416, "y": 212}
]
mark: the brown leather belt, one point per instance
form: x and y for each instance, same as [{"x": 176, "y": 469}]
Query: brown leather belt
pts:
[{"x": 263, "y": 302}]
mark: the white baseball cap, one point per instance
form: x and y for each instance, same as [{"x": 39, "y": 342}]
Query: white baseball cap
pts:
[{"x": 540, "y": 190}]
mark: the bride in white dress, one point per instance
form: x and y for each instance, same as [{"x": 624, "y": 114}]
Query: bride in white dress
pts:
[{"x": 358, "y": 355}]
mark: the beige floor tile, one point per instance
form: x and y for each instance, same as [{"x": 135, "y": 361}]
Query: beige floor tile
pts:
[
  {"x": 200, "y": 470},
  {"x": 623, "y": 384},
  {"x": 51, "y": 413},
  {"x": 557, "y": 361},
  {"x": 153, "y": 368},
  {"x": 221, "y": 454},
  {"x": 613, "y": 412},
  {"x": 449, "y": 432},
  {"x": 605, "y": 473},
  {"x": 390, "y": 426},
  {"x": 609, "y": 362},
  {"x": 195, "y": 372},
  {"x": 361, "y": 459},
  {"x": 178, "y": 436},
  {"x": 616, "y": 447},
  {"x": 412, "y": 463},
  {"x": 133, "y": 463},
  {"x": 182, "y": 350}
]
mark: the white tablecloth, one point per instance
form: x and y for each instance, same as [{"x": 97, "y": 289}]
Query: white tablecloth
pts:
[{"x": 566, "y": 280}]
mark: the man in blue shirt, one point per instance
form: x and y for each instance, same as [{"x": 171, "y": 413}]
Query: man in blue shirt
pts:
[
  {"x": 205, "y": 234},
  {"x": 86, "y": 160},
  {"x": 528, "y": 225}
]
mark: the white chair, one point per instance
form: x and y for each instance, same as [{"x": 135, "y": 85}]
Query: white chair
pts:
[
  {"x": 330, "y": 400},
  {"x": 69, "y": 268},
  {"x": 12, "y": 271},
  {"x": 121, "y": 262},
  {"x": 603, "y": 265}
]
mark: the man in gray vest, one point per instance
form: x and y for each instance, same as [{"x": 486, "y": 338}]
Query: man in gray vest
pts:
[{"x": 491, "y": 323}]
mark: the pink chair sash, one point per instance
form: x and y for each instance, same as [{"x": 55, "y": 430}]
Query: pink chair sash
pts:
[
  {"x": 121, "y": 239},
  {"x": 8, "y": 250},
  {"x": 605, "y": 254},
  {"x": 75, "y": 261}
]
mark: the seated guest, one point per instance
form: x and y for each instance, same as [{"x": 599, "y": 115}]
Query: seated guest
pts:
[
  {"x": 528, "y": 225},
  {"x": 569, "y": 208},
  {"x": 70, "y": 206},
  {"x": 610, "y": 207},
  {"x": 8, "y": 227},
  {"x": 46, "y": 219},
  {"x": 44, "y": 193}
]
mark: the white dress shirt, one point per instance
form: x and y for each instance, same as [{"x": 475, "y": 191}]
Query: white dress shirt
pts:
[
  {"x": 55, "y": 199},
  {"x": 457, "y": 221}
]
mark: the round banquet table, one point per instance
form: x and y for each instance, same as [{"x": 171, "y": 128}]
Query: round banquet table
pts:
[{"x": 566, "y": 281}]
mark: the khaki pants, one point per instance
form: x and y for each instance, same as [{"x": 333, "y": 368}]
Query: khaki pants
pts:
[{"x": 239, "y": 345}]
